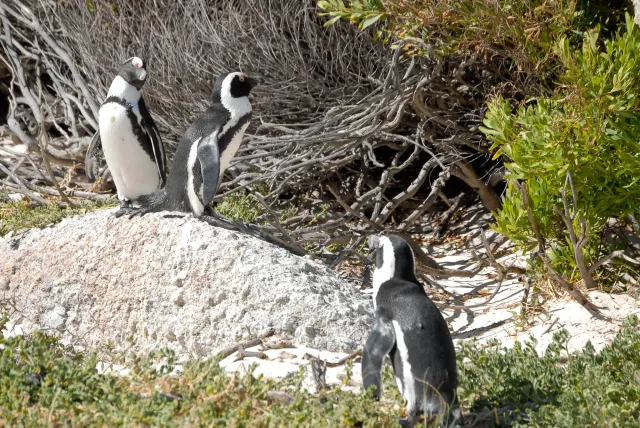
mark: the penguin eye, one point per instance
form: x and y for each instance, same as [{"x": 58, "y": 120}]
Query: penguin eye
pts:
[
  {"x": 137, "y": 63},
  {"x": 242, "y": 78}
]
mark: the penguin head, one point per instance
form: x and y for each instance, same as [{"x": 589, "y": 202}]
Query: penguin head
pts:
[
  {"x": 394, "y": 259},
  {"x": 134, "y": 72},
  {"x": 232, "y": 86}
]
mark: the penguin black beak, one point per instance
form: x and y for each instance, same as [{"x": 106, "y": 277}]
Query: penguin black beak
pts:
[
  {"x": 141, "y": 74},
  {"x": 254, "y": 81},
  {"x": 140, "y": 78}
]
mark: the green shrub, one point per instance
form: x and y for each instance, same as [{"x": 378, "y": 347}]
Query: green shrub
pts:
[
  {"x": 519, "y": 388},
  {"x": 590, "y": 128},
  {"x": 522, "y": 32}
]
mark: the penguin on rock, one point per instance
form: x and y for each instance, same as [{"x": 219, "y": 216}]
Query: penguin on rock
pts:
[
  {"x": 205, "y": 150},
  {"x": 128, "y": 138},
  {"x": 411, "y": 330}
]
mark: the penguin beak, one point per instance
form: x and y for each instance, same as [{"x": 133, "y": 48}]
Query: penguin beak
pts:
[
  {"x": 141, "y": 74},
  {"x": 254, "y": 81},
  {"x": 140, "y": 78}
]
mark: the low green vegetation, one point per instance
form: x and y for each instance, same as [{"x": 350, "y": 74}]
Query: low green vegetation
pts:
[
  {"x": 239, "y": 206},
  {"x": 15, "y": 216},
  {"x": 43, "y": 383},
  {"x": 589, "y": 389}
]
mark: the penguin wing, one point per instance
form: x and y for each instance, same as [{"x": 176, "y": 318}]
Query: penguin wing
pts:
[
  {"x": 150, "y": 128},
  {"x": 380, "y": 342},
  {"x": 209, "y": 157},
  {"x": 93, "y": 157}
]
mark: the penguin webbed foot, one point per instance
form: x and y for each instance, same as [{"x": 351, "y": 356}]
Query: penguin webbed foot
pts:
[
  {"x": 405, "y": 423},
  {"x": 132, "y": 212},
  {"x": 208, "y": 210},
  {"x": 125, "y": 204},
  {"x": 411, "y": 420}
]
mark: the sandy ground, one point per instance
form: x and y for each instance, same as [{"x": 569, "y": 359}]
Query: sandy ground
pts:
[{"x": 499, "y": 319}]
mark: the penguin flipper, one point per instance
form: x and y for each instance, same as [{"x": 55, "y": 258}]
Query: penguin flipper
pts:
[
  {"x": 93, "y": 157},
  {"x": 381, "y": 340},
  {"x": 209, "y": 158},
  {"x": 150, "y": 128}
]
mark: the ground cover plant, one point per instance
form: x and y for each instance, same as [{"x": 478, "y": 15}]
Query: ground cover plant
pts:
[{"x": 43, "y": 382}]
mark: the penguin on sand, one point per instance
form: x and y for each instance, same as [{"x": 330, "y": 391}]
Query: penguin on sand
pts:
[
  {"x": 205, "y": 151},
  {"x": 411, "y": 330},
  {"x": 128, "y": 137}
]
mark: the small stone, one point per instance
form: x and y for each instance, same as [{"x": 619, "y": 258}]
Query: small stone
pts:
[
  {"x": 179, "y": 300},
  {"x": 178, "y": 280},
  {"x": 282, "y": 300},
  {"x": 245, "y": 292},
  {"x": 310, "y": 331},
  {"x": 219, "y": 298},
  {"x": 55, "y": 318},
  {"x": 4, "y": 283},
  {"x": 171, "y": 337}
]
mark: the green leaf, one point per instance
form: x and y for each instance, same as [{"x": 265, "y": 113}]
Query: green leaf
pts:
[
  {"x": 332, "y": 21},
  {"x": 371, "y": 20}
]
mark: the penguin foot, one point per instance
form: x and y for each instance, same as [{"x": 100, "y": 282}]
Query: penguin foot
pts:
[
  {"x": 208, "y": 210},
  {"x": 131, "y": 212},
  {"x": 410, "y": 422},
  {"x": 125, "y": 204},
  {"x": 405, "y": 423}
]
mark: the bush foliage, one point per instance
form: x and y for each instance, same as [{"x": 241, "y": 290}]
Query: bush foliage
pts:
[
  {"x": 520, "y": 30},
  {"x": 591, "y": 389},
  {"x": 43, "y": 383},
  {"x": 590, "y": 128}
]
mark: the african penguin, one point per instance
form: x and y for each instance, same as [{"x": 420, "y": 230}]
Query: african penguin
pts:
[
  {"x": 128, "y": 137},
  {"x": 205, "y": 150},
  {"x": 410, "y": 329}
]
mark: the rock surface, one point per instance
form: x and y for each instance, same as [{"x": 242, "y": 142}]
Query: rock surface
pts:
[{"x": 175, "y": 282}]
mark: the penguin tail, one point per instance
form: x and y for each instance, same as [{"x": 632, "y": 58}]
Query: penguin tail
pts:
[
  {"x": 447, "y": 409},
  {"x": 152, "y": 202}
]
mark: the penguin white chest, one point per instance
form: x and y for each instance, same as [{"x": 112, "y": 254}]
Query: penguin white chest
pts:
[
  {"x": 134, "y": 172},
  {"x": 231, "y": 149}
]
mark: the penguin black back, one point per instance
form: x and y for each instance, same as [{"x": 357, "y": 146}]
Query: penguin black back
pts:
[
  {"x": 411, "y": 330},
  {"x": 205, "y": 150}
]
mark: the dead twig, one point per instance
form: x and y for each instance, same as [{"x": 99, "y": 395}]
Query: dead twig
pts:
[
  {"x": 242, "y": 354},
  {"x": 43, "y": 142},
  {"x": 247, "y": 344},
  {"x": 444, "y": 222},
  {"x": 570, "y": 288}
]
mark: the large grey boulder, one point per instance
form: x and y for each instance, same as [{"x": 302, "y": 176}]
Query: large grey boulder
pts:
[{"x": 176, "y": 282}]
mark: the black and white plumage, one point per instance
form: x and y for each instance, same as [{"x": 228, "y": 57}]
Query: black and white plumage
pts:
[
  {"x": 128, "y": 137},
  {"x": 411, "y": 330},
  {"x": 205, "y": 150}
]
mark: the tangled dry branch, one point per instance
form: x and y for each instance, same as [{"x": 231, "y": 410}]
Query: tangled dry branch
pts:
[{"x": 357, "y": 137}]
